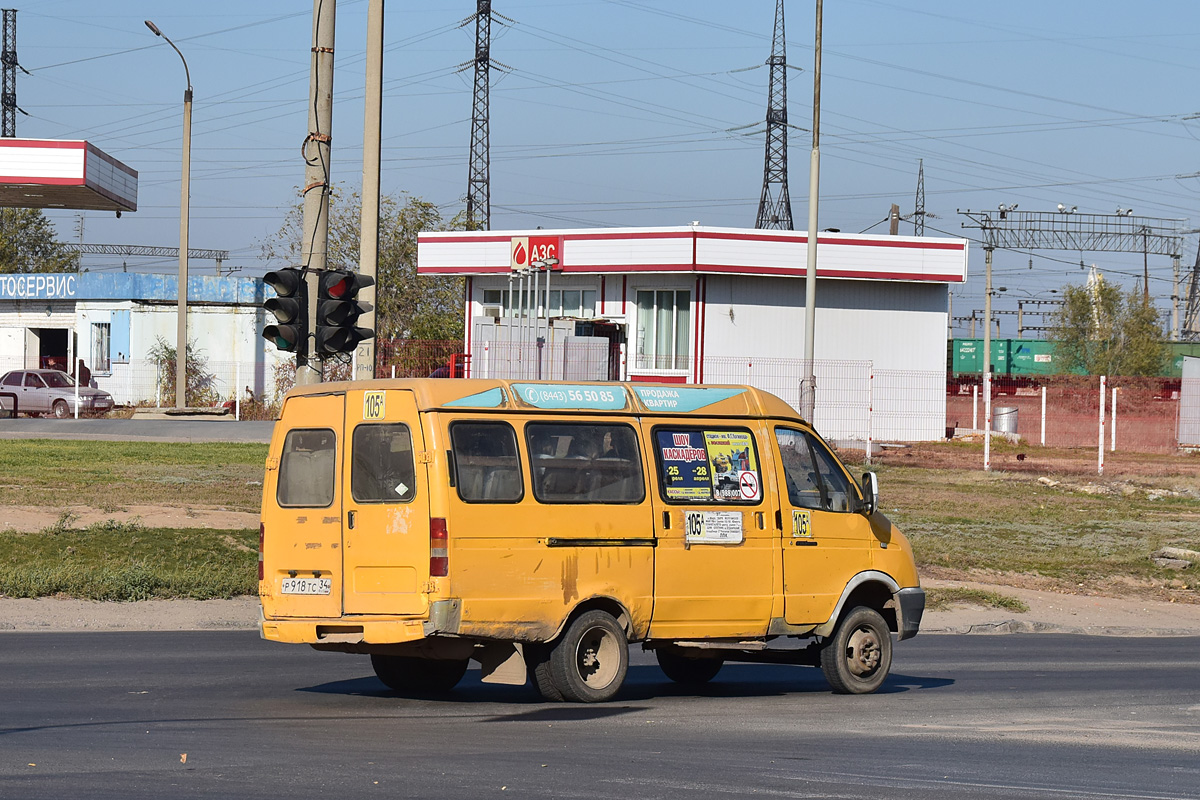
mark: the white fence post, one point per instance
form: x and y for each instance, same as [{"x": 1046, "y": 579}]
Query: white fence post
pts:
[
  {"x": 987, "y": 421},
  {"x": 870, "y": 409},
  {"x": 1103, "y": 383},
  {"x": 1113, "y": 446},
  {"x": 1043, "y": 415}
]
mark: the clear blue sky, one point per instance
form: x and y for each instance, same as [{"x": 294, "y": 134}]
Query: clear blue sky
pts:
[{"x": 643, "y": 112}]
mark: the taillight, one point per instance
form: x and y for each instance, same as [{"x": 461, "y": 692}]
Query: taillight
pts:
[
  {"x": 261, "y": 534},
  {"x": 439, "y": 559}
]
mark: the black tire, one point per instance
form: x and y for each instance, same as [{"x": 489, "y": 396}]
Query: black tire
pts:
[
  {"x": 537, "y": 667},
  {"x": 587, "y": 664},
  {"x": 418, "y": 675},
  {"x": 856, "y": 659},
  {"x": 687, "y": 670},
  {"x": 61, "y": 410}
]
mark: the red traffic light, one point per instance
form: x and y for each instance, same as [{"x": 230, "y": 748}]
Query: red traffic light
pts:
[{"x": 342, "y": 284}]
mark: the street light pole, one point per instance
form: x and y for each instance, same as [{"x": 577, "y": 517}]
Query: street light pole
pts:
[{"x": 184, "y": 192}]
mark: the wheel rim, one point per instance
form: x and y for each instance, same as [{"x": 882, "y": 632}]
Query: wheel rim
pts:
[
  {"x": 863, "y": 652},
  {"x": 598, "y": 657},
  {"x": 60, "y": 410}
]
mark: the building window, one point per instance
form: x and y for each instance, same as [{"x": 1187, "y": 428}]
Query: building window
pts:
[
  {"x": 662, "y": 329},
  {"x": 101, "y": 347},
  {"x": 560, "y": 303}
]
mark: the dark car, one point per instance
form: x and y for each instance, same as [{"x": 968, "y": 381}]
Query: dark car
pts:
[{"x": 50, "y": 391}]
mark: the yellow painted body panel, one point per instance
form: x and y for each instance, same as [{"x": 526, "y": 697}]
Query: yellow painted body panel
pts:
[
  {"x": 302, "y": 542},
  {"x": 518, "y": 570},
  {"x": 704, "y": 590},
  {"x": 386, "y": 552},
  {"x": 513, "y": 584}
]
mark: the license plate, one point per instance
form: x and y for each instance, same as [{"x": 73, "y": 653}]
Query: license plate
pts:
[{"x": 306, "y": 586}]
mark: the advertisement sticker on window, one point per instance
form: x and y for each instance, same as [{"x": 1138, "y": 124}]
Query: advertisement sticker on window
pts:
[
  {"x": 685, "y": 470},
  {"x": 731, "y": 461},
  {"x": 700, "y": 466}
]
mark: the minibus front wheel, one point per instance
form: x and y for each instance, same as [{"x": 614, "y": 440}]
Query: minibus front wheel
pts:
[
  {"x": 587, "y": 664},
  {"x": 856, "y": 659}
]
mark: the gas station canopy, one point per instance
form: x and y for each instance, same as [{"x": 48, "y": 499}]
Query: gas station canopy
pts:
[{"x": 48, "y": 173}]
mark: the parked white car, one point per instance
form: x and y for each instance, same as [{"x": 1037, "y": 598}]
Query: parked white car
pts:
[{"x": 50, "y": 391}]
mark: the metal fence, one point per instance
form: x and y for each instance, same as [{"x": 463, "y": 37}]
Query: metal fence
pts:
[
  {"x": 1139, "y": 414},
  {"x": 856, "y": 405}
]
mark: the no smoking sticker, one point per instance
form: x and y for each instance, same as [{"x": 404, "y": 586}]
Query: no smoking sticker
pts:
[{"x": 748, "y": 482}]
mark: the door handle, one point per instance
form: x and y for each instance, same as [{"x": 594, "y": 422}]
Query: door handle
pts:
[
  {"x": 350, "y": 520},
  {"x": 759, "y": 517}
]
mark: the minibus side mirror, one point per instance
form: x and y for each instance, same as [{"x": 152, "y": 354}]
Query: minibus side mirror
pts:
[{"x": 870, "y": 488}]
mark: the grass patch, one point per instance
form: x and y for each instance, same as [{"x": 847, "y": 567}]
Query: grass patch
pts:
[
  {"x": 124, "y": 561},
  {"x": 942, "y": 599},
  {"x": 1010, "y": 523},
  {"x": 56, "y": 473}
]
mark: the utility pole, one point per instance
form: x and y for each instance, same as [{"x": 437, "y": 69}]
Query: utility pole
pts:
[
  {"x": 315, "y": 243},
  {"x": 479, "y": 200},
  {"x": 368, "y": 248},
  {"x": 775, "y": 205},
  {"x": 808, "y": 389}
]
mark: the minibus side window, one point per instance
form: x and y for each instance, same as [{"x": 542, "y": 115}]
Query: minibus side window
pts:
[
  {"x": 814, "y": 479},
  {"x": 707, "y": 465},
  {"x": 583, "y": 463},
  {"x": 382, "y": 467},
  {"x": 487, "y": 468},
  {"x": 839, "y": 494},
  {"x": 306, "y": 468}
]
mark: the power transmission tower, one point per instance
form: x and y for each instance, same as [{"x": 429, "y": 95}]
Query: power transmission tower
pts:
[
  {"x": 1191, "y": 314},
  {"x": 8, "y": 59},
  {"x": 479, "y": 201},
  {"x": 775, "y": 206},
  {"x": 919, "y": 208}
]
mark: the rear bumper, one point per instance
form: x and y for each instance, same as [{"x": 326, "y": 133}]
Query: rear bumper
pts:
[
  {"x": 346, "y": 630},
  {"x": 910, "y": 606}
]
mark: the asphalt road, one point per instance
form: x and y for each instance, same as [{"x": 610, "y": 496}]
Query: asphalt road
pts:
[
  {"x": 111, "y": 715},
  {"x": 129, "y": 430}
]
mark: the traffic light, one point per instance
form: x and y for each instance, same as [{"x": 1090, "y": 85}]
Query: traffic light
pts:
[
  {"x": 338, "y": 311},
  {"x": 290, "y": 307}
]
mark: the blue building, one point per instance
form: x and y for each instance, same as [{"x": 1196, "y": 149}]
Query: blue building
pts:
[{"x": 112, "y": 321}]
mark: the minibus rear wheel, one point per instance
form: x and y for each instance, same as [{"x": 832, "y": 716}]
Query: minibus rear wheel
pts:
[
  {"x": 589, "y": 661},
  {"x": 856, "y": 659},
  {"x": 418, "y": 675},
  {"x": 687, "y": 670}
]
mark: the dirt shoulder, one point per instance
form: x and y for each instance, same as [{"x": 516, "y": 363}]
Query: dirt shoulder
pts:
[
  {"x": 1049, "y": 612},
  {"x": 29, "y": 519}
]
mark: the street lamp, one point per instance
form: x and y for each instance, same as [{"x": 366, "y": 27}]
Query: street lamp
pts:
[{"x": 181, "y": 313}]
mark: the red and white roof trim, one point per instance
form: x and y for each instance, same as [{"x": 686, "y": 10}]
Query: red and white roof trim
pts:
[{"x": 735, "y": 251}]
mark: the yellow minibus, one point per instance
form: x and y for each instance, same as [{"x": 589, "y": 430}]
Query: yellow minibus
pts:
[{"x": 540, "y": 528}]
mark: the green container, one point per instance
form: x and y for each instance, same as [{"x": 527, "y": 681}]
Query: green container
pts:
[
  {"x": 1175, "y": 360},
  {"x": 1032, "y": 357},
  {"x": 966, "y": 356}
]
